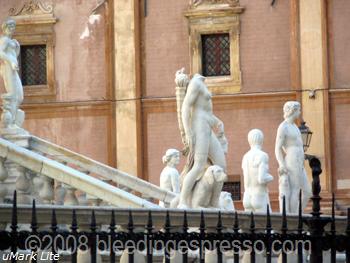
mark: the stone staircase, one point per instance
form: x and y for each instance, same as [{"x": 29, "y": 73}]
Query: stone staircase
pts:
[{"x": 43, "y": 168}]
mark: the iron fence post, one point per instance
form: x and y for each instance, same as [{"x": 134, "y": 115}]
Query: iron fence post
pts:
[{"x": 316, "y": 223}]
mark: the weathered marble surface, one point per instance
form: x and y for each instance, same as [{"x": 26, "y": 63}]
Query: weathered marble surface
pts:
[
  {"x": 290, "y": 157},
  {"x": 12, "y": 117},
  {"x": 255, "y": 165},
  {"x": 199, "y": 129},
  {"x": 207, "y": 190},
  {"x": 170, "y": 177}
]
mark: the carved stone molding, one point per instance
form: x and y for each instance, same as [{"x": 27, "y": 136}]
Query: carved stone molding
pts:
[
  {"x": 33, "y": 11},
  {"x": 198, "y": 3},
  {"x": 31, "y": 8}
]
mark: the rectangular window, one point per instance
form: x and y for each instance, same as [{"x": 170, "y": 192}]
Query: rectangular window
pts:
[
  {"x": 33, "y": 65},
  {"x": 234, "y": 188},
  {"x": 216, "y": 55}
]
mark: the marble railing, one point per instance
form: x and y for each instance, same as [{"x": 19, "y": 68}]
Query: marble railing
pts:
[
  {"x": 100, "y": 170},
  {"x": 37, "y": 171}
]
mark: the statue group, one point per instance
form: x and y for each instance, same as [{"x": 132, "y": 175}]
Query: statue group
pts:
[
  {"x": 205, "y": 145},
  {"x": 200, "y": 184}
]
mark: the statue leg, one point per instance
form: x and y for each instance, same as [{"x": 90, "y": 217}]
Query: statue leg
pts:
[
  {"x": 216, "y": 153},
  {"x": 200, "y": 161},
  {"x": 306, "y": 189},
  {"x": 295, "y": 186},
  {"x": 217, "y": 157}
]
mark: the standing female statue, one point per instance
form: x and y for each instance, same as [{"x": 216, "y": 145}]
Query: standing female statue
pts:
[
  {"x": 202, "y": 144},
  {"x": 9, "y": 51}
]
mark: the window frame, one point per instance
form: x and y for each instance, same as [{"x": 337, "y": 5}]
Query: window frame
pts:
[
  {"x": 39, "y": 35},
  {"x": 216, "y": 19},
  {"x": 35, "y": 26}
]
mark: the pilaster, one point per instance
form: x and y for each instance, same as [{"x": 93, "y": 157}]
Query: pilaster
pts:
[
  {"x": 314, "y": 77},
  {"x": 127, "y": 85}
]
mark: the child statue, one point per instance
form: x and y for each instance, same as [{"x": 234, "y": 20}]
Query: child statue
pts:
[
  {"x": 170, "y": 177},
  {"x": 255, "y": 165}
]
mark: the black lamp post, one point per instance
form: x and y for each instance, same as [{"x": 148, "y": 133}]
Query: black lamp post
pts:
[
  {"x": 306, "y": 135},
  {"x": 316, "y": 223}
]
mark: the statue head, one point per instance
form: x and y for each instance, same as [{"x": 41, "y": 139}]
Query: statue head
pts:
[
  {"x": 255, "y": 138},
  {"x": 172, "y": 156},
  {"x": 8, "y": 26},
  {"x": 291, "y": 109}
]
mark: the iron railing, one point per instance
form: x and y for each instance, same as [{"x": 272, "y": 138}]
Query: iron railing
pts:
[{"x": 315, "y": 233}]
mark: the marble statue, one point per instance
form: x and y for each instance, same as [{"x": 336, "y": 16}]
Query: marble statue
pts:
[
  {"x": 205, "y": 192},
  {"x": 290, "y": 157},
  {"x": 226, "y": 202},
  {"x": 12, "y": 117},
  {"x": 255, "y": 165},
  {"x": 199, "y": 131},
  {"x": 170, "y": 177},
  {"x": 284, "y": 190}
]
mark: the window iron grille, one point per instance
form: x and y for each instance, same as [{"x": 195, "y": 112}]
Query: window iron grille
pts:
[
  {"x": 234, "y": 188},
  {"x": 33, "y": 65},
  {"x": 216, "y": 55}
]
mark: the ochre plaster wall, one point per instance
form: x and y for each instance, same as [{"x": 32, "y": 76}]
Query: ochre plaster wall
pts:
[
  {"x": 339, "y": 11},
  {"x": 80, "y": 72},
  {"x": 74, "y": 133},
  {"x": 340, "y": 128},
  {"x": 264, "y": 46},
  {"x": 79, "y": 63},
  {"x": 165, "y": 41}
]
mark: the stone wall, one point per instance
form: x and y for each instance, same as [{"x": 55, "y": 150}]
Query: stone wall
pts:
[{"x": 74, "y": 118}]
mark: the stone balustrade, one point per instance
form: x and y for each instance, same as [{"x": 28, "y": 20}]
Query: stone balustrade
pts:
[{"x": 19, "y": 160}]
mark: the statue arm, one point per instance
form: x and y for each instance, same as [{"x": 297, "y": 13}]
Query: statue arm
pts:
[
  {"x": 3, "y": 46},
  {"x": 264, "y": 177},
  {"x": 280, "y": 139},
  {"x": 245, "y": 172}
]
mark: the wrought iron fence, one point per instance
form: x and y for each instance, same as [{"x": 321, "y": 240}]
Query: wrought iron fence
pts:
[{"x": 310, "y": 234}]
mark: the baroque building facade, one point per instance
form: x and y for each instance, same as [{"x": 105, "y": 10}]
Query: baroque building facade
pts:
[{"x": 107, "y": 88}]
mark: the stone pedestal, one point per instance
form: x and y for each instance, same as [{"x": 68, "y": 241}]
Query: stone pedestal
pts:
[
  {"x": 16, "y": 179},
  {"x": 3, "y": 176},
  {"x": 70, "y": 198}
]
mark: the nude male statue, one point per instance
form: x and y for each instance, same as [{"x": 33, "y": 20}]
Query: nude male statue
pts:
[
  {"x": 290, "y": 157},
  {"x": 255, "y": 165},
  {"x": 199, "y": 123}
]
